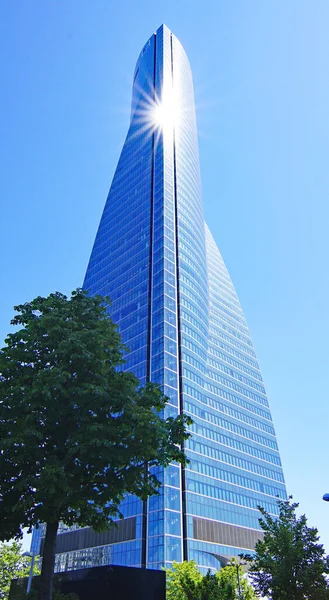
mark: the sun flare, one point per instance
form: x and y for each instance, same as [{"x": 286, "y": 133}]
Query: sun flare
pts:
[
  {"x": 166, "y": 112},
  {"x": 157, "y": 114}
]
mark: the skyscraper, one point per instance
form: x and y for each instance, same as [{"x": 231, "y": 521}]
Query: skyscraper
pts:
[{"x": 180, "y": 317}]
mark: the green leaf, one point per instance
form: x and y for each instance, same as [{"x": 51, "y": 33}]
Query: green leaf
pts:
[
  {"x": 12, "y": 566},
  {"x": 289, "y": 563},
  {"x": 77, "y": 432}
]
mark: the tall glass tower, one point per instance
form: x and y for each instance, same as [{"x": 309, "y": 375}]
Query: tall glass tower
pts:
[{"x": 180, "y": 317}]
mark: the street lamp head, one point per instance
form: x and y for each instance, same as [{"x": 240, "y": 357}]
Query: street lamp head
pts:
[{"x": 326, "y": 497}]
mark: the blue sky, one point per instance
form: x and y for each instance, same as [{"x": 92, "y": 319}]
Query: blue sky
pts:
[{"x": 261, "y": 75}]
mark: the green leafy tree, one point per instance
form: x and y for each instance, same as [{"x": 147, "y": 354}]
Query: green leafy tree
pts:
[
  {"x": 185, "y": 582},
  {"x": 289, "y": 562},
  {"x": 180, "y": 578},
  {"x": 209, "y": 588},
  {"x": 234, "y": 583},
  {"x": 13, "y": 565},
  {"x": 76, "y": 431}
]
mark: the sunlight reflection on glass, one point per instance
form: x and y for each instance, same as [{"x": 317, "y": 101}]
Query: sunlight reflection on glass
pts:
[{"x": 166, "y": 112}]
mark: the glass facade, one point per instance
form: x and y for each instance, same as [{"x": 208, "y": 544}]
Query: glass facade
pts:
[{"x": 179, "y": 315}]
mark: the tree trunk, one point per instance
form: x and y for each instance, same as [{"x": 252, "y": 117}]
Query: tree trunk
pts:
[{"x": 48, "y": 562}]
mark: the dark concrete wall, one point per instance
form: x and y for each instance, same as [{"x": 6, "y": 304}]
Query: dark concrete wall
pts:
[{"x": 105, "y": 583}]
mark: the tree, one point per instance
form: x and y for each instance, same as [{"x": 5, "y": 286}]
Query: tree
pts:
[
  {"x": 185, "y": 582},
  {"x": 13, "y": 565},
  {"x": 234, "y": 584},
  {"x": 289, "y": 562},
  {"x": 181, "y": 577},
  {"x": 76, "y": 431}
]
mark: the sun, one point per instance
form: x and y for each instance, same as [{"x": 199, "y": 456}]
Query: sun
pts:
[
  {"x": 166, "y": 112},
  {"x": 158, "y": 114}
]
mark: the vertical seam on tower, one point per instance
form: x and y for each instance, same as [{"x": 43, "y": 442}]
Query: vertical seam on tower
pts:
[
  {"x": 179, "y": 340},
  {"x": 149, "y": 316}
]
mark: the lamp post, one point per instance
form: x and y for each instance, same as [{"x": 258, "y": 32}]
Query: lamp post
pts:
[
  {"x": 29, "y": 581},
  {"x": 238, "y": 576},
  {"x": 237, "y": 564},
  {"x": 233, "y": 562}
]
